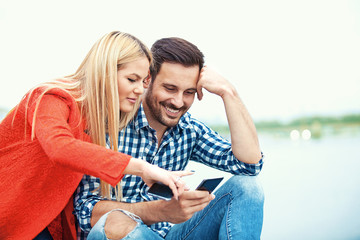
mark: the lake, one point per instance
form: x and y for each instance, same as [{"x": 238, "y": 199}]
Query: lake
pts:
[{"x": 312, "y": 187}]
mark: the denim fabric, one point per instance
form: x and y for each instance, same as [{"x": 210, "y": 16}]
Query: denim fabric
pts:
[
  {"x": 235, "y": 213},
  {"x": 140, "y": 232}
]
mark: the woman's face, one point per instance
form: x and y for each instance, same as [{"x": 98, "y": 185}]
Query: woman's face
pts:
[{"x": 131, "y": 78}]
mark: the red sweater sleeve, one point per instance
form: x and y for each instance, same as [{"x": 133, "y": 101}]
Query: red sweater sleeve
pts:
[{"x": 55, "y": 136}]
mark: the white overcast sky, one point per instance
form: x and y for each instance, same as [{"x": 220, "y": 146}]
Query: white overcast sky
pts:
[{"x": 286, "y": 58}]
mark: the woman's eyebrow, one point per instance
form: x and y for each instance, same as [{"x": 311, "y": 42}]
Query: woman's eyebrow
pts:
[{"x": 136, "y": 75}]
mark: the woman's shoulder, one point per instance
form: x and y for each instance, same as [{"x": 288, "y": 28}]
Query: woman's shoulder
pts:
[{"x": 55, "y": 88}]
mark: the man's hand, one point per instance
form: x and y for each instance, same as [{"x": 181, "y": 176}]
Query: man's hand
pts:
[
  {"x": 190, "y": 202},
  {"x": 212, "y": 82}
]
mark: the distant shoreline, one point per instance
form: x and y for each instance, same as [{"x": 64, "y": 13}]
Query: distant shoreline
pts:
[{"x": 319, "y": 126}]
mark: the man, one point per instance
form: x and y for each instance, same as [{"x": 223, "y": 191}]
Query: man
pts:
[{"x": 164, "y": 133}]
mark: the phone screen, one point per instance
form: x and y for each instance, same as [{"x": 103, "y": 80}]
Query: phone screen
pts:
[
  {"x": 209, "y": 184},
  {"x": 161, "y": 191}
]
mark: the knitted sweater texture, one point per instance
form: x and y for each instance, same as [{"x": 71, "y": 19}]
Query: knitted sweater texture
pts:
[{"x": 38, "y": 177}]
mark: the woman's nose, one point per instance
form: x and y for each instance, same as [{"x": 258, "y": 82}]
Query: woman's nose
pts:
[{"x": 139, "y": 89}]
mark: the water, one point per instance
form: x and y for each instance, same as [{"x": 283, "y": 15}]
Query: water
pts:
[{"x": 312, "y": 188}]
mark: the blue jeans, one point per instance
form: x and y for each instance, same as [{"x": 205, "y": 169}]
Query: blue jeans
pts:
[
  {"x": 141, "y": 231},
  {"x": 235, "y": 213}
]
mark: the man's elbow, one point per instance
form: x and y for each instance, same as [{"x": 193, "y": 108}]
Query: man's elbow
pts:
[{"x": 251, "y": 157}]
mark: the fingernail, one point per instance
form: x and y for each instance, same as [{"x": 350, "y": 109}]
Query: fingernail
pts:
[{"x": 213, "y": 196}]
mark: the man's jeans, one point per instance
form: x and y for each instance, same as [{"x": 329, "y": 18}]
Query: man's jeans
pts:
[{"x": 235, "y": 213}]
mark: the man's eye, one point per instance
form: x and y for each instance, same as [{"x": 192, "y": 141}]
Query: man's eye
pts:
[
  {"x": 169, "y": 88},
  {"x": 190, "y": 92}
]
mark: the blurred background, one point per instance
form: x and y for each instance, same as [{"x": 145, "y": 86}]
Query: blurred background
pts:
[{"x": 295, "y": 65}]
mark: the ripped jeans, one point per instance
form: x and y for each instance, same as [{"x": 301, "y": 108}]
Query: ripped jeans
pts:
[
  {"x": 235, "y": 213},
  {"x": 141, "y": 231}
]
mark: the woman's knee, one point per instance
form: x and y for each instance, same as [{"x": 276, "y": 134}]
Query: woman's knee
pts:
[{"x": 118, "y": 225}]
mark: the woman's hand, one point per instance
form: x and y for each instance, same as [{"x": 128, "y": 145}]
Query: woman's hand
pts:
[{"x": 152, "y": 174}]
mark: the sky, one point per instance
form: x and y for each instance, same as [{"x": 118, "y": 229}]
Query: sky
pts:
[{"x": 286, "y": 58}]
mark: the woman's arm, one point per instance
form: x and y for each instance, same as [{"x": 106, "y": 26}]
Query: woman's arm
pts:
[{"x": 56, "y": 137}]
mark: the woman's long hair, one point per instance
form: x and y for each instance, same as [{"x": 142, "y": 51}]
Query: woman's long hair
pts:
[{"x": 95, "y": 87}]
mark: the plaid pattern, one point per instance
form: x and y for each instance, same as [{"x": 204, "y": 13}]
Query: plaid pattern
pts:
[{"x": 188, "y": 140}]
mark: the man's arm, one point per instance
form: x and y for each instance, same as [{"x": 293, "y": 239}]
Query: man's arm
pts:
[
  {"x": 89, "y": 206},
  {"x": 141, "y": 209},
  {"x": 175, "y": 211},
  {"x": 244, "y": 140}
]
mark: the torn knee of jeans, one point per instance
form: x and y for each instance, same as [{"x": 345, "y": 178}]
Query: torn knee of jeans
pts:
[{"x": 118, "y": 225}]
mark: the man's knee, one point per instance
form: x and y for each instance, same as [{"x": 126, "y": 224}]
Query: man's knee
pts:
[
  {"x": 247, "y": 186},
  {"x": 118, "y": 225}
]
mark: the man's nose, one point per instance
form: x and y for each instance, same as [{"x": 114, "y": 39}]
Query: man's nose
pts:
[{"x": 177, "y": 100}]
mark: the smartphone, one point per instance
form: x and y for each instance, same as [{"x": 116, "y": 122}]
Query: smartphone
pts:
[
  {"x": 209, "y": 184},
  {"x": 161, "y": 191}
]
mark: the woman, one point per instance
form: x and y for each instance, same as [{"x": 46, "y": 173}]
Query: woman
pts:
[{"x": 58, "y": 131}]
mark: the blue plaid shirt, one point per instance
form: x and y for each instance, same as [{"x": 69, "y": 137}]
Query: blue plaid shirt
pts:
[{"x": 190, "y": 139}]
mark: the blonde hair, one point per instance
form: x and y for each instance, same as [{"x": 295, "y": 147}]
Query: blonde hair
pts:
[{"x": 95, "y": 87}]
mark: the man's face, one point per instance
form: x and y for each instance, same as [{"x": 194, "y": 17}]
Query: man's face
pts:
[{"x": 171, "y": 94}]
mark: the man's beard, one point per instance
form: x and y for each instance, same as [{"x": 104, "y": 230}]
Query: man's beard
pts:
[{"x": 157, "y": 112}]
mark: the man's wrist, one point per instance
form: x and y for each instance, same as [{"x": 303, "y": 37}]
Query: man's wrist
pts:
[
  {"x": 150, "y": 212},
  {"x": 229, "y": 92}
]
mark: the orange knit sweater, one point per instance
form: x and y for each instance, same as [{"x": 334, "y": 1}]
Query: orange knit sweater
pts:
[{"x": 39, "y": 177}]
